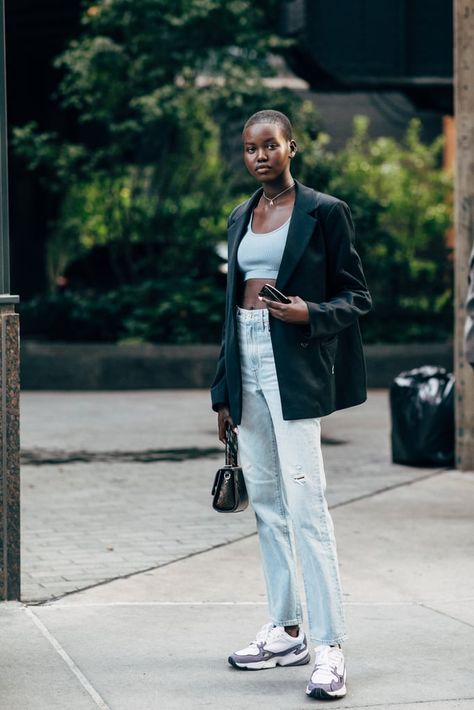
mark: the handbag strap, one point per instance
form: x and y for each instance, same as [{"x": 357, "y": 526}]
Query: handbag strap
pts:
[{"x": 231, "y": 447}]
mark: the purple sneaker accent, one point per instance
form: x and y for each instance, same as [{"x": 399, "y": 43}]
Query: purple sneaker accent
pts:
[
  {"x": 328, "y": 679},
  {"x": 296, "y": 655}
]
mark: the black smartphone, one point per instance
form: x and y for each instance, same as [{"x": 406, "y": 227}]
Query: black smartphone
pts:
[{"x": 269, "y": 291}]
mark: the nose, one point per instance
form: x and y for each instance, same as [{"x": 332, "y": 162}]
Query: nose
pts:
[{"x": 261, "y": 155}]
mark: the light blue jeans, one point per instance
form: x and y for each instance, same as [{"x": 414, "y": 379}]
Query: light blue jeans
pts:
[{"x": 284, "y": 473}]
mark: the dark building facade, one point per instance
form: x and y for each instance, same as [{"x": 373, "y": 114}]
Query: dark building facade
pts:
[
  {"x": 361, "y": 45},
  {"x": 36, "y": 32}
]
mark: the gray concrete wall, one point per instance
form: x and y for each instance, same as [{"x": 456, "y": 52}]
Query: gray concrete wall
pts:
[{"x": 89, "y": 366}]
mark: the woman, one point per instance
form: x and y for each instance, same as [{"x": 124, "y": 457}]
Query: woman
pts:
[{"x": 282, "y": 366}]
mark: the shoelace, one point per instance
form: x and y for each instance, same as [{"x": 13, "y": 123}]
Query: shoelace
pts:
[
  {"x": 265, "y": 634},
  {"x": 327, "y": 660}
]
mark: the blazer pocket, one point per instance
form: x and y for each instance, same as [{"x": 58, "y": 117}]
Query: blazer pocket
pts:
[
  {"x": 329, "y": 343},
  {"x": 328, "y": 348}
]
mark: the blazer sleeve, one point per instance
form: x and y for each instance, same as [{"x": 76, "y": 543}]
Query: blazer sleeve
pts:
[
  {"x": 349, "y": 295},
  {"x": 469, "y": 324},
  {"x": 219, "y": 392}
]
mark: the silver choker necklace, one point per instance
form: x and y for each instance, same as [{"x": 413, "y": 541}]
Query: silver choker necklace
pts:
[{"x": 271, "y": 200}]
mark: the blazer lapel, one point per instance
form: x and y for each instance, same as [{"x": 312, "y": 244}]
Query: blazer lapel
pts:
[{"x": 300, "y": 229}]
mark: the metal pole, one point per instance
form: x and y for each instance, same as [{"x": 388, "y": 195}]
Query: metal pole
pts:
[
  {"x": 4, "y": 241},
  {"x": 464, "y": 221},
  {"x": 5, "y": 296},
  {"x": 9, "y": 375}
]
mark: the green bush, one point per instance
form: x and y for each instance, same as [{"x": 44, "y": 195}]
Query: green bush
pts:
[
  {"x": 182, "y": 311},
  {"x": 400, "y": 199}
]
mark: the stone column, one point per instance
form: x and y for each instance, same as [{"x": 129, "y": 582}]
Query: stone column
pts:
[
  {"x": 9, "y": 375},
  {"x": 9, "y": 454}
]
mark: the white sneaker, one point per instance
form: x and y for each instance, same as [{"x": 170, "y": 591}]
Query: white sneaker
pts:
[
  {"x": 272, "y": 647},
  {"x": 328, "y": 679}
]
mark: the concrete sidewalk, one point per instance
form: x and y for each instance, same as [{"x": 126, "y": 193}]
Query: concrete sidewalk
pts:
[
  {"x": 103, "y": 477},
  {"x": 159, "y": 639}
]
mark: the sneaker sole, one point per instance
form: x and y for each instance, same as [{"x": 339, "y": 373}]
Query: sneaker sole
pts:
[
  {"x": 320, "y": 694},
  {"x": 283, "y": 661}
]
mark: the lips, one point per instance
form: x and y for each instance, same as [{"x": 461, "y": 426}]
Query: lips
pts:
[{"x": 262, "y": 169}]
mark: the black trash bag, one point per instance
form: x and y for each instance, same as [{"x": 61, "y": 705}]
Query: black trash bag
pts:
[{"x": 422, "y": 411}]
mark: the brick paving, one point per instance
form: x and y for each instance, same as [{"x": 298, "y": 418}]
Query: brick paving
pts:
[{"x": 84, "y": 523}]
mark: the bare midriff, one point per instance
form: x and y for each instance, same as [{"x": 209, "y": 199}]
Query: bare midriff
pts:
[{"x": 250, "y": 293}]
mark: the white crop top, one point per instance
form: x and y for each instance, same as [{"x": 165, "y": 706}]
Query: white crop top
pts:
[{"x": 259, "y": 255}]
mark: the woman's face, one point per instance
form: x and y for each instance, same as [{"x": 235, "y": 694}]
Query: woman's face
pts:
[{"x": 267, "y": 153}]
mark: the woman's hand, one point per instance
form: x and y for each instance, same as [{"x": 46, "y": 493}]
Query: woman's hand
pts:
[
  {"x": 294, "y": 312},
  {"x": 224, "y": 418}
]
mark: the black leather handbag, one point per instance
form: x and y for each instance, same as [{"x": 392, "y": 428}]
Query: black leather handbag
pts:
[{"x": 229, "y": 491}]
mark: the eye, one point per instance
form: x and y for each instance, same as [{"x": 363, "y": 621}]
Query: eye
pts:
[{"x": 250, "y": 149}]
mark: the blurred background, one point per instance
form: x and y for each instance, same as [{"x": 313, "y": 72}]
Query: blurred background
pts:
[{"x": 125, "y": 119}]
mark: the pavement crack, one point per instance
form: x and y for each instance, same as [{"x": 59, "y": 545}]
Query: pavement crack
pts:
[
  {"x": 393, "y": 487},
  {"x": 63, "y": 654},
  {"x": 448, "y": 616},
  {"x": 55, "y": 457},
  {"x": 331, "y": 441}
]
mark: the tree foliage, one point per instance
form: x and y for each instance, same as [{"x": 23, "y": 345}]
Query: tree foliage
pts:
[
  {"x": 400, "y": 198},
  {"x": 156, "y": 94}
]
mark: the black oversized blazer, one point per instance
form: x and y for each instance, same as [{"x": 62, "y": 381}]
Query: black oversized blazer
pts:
[{"x": 320, "y": 366}]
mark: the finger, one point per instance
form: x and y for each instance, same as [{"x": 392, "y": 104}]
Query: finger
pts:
[
  {"x": 233, "y": 427},
  {"x": 279, "y": 313},
  {"x": 221, "y": 430},
  {"x": 228, "y": 421},
  {"x": 231, "y": 424},
  {"x": 269, "y": 302},
  {"x": 223, "y": 434},
  {"x": 275, "y": 307}
]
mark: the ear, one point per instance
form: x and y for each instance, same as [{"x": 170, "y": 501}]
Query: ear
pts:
[{"x": 293, "y": 148}]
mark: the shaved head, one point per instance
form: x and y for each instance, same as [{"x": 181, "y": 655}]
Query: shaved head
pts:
[{"x": 275, "y": 117}]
